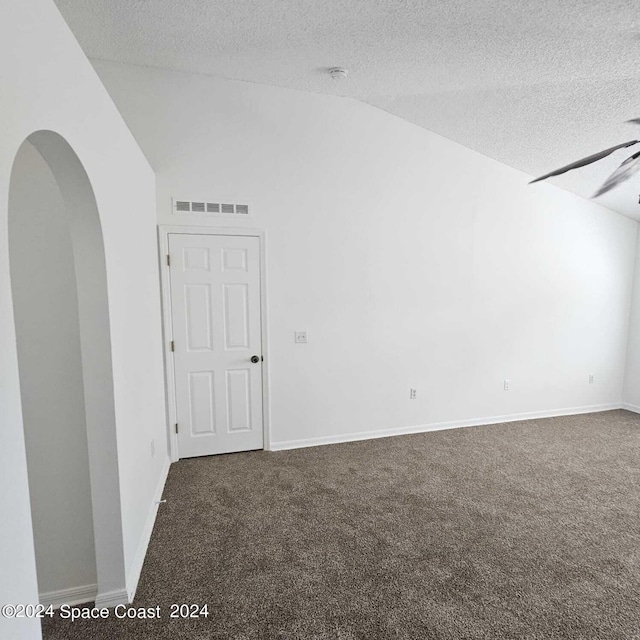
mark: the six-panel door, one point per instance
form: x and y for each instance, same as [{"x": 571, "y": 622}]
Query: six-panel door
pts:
[{"x": 215, "y": 307}]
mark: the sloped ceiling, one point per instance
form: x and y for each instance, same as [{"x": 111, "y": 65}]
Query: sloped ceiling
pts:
[{"x": 532, "y": 84}]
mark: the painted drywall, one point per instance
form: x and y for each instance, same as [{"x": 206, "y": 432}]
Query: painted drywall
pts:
[
  {"x": 48, "y": 340},
  {"x": 632, "y": 377},
  {"x": 410, "y": 260},
  {"x": 52, "y": 86}
]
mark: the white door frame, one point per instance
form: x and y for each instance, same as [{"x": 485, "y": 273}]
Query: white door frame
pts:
[{"x": 167, "y": 326}]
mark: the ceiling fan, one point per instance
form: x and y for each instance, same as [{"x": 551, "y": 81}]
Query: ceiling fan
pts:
[{"x": 628, "y": 168}]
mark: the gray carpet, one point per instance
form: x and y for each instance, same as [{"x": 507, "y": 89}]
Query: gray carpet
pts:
[{"x": 523, "y": 530}]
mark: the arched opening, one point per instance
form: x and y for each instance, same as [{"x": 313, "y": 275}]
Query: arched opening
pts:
[{"x": 59, "y": 292}]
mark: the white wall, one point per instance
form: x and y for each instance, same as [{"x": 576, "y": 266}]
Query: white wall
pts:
[
  {"x": 410, "y": 260},
  {"x": 48, "y": 341},
  {"x": 632, "y": 377},
  {"x": 49, "y": 84}
]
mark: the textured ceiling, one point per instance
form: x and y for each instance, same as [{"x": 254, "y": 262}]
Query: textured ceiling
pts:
[{"x": 533, "y": 84}]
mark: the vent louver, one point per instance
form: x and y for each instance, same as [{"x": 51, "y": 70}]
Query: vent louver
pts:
[{"x": 219, "y": 208}]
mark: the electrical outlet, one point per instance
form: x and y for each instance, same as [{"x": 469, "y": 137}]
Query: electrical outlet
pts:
[
  {"x": 592, "y": 378},
  {"x": 300, "y": 337},
  {"x": 153, "y": 448},
  {"x": 507, "y": 385},
  {"x": 413, "y": 393}
]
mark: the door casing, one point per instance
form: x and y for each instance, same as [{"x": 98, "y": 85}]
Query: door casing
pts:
[{"x": 167, "y": 324}]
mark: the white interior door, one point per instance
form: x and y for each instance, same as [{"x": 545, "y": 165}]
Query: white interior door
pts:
[{"x": 215, "y": 307}]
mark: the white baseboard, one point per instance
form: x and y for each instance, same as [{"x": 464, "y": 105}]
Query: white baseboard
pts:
[
  {"x": 630, "y": 407},
  {"x": 141, "y": 552},
  {"x": 440, "y": 426},
  {"x": 72, "y": 596},
  {"x": 112, "y": 599}
]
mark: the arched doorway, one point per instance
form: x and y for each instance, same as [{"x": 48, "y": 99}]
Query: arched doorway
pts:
[{"x": 58, "y": 284}]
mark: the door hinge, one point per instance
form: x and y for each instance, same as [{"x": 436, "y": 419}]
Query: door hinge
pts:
[
  {"x": 168, "y": 260},
  {"x": 173, "y": 346},
  {"x": 176, "y": 427}
]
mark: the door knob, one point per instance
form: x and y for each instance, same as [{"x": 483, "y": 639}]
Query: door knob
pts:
[{"x": 255, "y": 359}]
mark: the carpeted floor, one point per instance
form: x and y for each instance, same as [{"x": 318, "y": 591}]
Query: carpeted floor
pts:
[{"x": 523, "y": 530}]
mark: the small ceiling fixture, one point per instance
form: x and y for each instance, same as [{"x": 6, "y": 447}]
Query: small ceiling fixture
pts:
[{"x": 338, "y": 73}]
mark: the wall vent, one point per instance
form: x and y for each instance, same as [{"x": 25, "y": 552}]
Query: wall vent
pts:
[{"x": 210, "y": 207}]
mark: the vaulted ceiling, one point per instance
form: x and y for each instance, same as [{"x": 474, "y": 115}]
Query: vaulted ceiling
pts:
[{"x": 532, "y": 84}]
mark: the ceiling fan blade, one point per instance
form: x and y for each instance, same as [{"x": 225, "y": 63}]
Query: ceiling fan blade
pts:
[
  {"x": 628, "y": 168},
  {"x": 585, "y": 161},
  {"x": 633, "y": 121}
]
